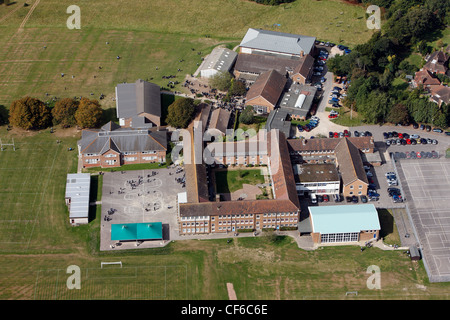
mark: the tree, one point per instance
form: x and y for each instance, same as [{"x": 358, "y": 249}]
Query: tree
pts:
[
  {"x": 246, "y": 116},
  {"x": 88, "y": 114},
  {"x": 221, "y": 81},
  {"x": 398, "y": 114},
  {"x": 181, "y": 112},
  {"x": 64, "y": 112},
  {"x": 238, "y": 88},
  {"x": 29, "y": 114}
]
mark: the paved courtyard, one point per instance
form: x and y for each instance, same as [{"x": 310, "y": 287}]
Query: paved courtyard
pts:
[
  {"x": 427, "y": 186},
  {"x": 140, "y": 196}
]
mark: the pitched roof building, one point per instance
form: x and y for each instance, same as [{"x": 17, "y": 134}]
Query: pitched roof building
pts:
[
  {"x": 437, "y": 62},
  {"x": 138, "y": 104},
  {"x": 219, "y": 60},
  {"x": 425, "y": 78},
  {"x": 440, "y": 94},
  {"x": 264, "y": 94},
  {"x": 113, "y": 146},
  {"x": 259, "y": 40}
]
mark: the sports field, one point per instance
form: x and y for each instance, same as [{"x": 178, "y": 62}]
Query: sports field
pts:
[{"x": 37, "y": 47}]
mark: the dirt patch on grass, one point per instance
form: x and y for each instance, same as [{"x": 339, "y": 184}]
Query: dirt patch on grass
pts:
[{"x": 236, "y": 254}]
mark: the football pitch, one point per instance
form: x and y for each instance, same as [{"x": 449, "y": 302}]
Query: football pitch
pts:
[
  {"x": 113, "y": 283},
  {"x": 30, "y": 193}
]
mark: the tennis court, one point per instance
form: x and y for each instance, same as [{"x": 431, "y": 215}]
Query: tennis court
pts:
[{"x": 427, "y": 187}]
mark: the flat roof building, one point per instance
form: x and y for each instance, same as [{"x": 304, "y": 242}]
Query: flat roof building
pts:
[
  {"x": 219, "y": 60},
  {"x": 77, "y": 197},
  {"x": 136, "y": 231},
  {"x": 344, "y": 223}
]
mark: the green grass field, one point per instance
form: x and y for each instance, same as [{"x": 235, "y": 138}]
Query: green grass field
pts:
[
  {"x": 228, "y": 181},
  {"x": 146, "y": 35}
]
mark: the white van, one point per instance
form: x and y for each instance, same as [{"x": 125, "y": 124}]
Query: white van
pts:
[{"x": 313, "y": 198}]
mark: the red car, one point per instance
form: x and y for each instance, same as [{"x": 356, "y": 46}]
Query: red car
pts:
[
  {"x": 325, "y": 198},
  {"x": 346, "y": 134},
  {"x": 332, "y": 116},
  {"x": 400, "y": 136},
  {"x": 336, "y": 135},
  {"x": 408, "y": 141},
  {"x": 418, "y": 155}
]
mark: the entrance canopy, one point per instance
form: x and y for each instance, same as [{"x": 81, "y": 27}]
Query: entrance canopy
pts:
[{"x": 136, "y": 231}]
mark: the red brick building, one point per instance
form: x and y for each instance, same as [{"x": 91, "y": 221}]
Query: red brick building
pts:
[{"x": 114, "y": 146}]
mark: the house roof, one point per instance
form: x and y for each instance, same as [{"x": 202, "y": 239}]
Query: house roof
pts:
[
  {"x": 277, "y": 41},
  {"x": 344, "y": 218},
  {"x": 114, "y": 137},
  {"x": 285, "y": 193},
  {"x": 440, "y": 94},
  {"x": 269, "y": 85},
  {"x": 219, "y": 119},
  {"x": 350, "y": 164},
  {"x": 305, "y": 67},
  {"x": 133, "y": 99},
  {"x": 326, "y": 144},
  {"x": 426, "y": 78},
  {"x": 258, "y": 63}
]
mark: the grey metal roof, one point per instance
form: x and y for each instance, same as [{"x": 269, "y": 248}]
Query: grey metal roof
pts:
[
  {"x": 133, "y": 99},
  {"x": 77, "y": 189},
  {"x": 121, "y": 140},
  {"x": 220, "y": 59},
  {"x": 291, "y": 103},
  {"x": 277, "y": 120},
  {"x": 277, "y": 41}
]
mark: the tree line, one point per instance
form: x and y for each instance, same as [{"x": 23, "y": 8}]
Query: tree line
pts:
[
  {"x": 33, "y": 114},
  {"x": 373, "y": 66}
]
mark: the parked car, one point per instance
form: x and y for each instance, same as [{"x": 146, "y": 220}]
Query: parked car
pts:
[
  {"x": 363, "y": 199},
  {"x": 415, "y": 136},
  {"x": 428, "y": 128},
  {"x": 354, "y": 199},
  {"x": 330, "y": 134},
  {"x": 348, "y": 199},
  {"x": 325, "y": 198},
  {"x": 317, "y": 73},
  {"x": 332, "y": 116},
  {"x": 438, "y": 130},
  {"x": 346, "y": 133},
  {"x": 356, "y": 133}
]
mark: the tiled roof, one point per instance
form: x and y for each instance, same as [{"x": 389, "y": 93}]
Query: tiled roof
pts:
[
  {"x": 136, "y": 98},
  {"x": 269, "y": 85},
  {"x": 350, "y": 164}
]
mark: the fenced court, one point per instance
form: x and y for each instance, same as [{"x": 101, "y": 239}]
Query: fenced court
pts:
[{"x": 114, "y": 283}]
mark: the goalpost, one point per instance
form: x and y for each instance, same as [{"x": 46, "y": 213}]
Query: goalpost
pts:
[
  {"x": 108, "y": 263},
  {"x": 2, "y": 145}
]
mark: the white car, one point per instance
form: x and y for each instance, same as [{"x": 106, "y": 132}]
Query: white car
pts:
[
  {"x": 315, "y": 118},
  {"x": 390, "y": 174},
  {"x": 414, "y": 136}
]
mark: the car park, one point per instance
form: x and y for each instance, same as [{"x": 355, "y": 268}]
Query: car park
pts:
[
  {"x": 415, "y": 136},
  {"x": 336, "y": 135}
]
